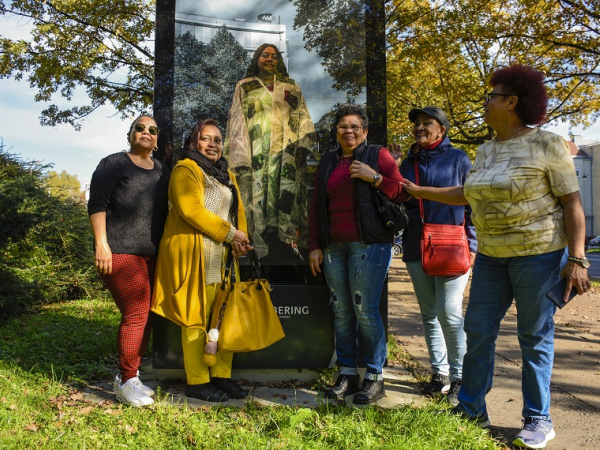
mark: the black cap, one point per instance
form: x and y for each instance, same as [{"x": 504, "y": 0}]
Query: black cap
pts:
[{"x": 432, "y": 111}]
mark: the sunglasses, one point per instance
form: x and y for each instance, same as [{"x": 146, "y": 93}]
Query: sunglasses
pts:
[{"x": 139, "y": 127}]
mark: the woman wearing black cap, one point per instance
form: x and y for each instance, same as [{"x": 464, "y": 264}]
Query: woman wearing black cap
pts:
[{"x": 440, "y": 297}]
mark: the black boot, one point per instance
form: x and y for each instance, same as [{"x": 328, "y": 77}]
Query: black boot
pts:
[
  {"x": 229, "y": 386},
  {"x": 344, "y": 385},
  {"x": 206, "y": 392},
  {"x": 370, "y": 392}
]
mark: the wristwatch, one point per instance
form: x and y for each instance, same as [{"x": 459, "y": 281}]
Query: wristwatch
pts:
[
  {"x": 376, "y": 178},
  {"x": 583, "y": 262}
]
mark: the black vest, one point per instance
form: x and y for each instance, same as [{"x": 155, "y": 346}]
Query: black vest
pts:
[{"x": 372, "y": 229}]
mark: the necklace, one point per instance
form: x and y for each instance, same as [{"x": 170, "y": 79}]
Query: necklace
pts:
[{"x": 517, "y": 133}]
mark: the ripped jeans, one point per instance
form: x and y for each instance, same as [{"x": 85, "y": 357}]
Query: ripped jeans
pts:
[{"x": 355, "y": 274}]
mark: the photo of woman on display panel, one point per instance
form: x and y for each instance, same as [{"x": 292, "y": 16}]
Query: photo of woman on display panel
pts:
[
  {"x": 269, "y": 136},
  {"x": 279, "y": 111}
]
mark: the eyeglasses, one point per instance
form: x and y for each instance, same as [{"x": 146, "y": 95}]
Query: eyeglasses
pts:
[
  {"x": 217, "y": 141},
  {"x": 140, "y": 127},
  {"x": 489, "y": 95},
  {"x": 353, "y": 128},
  {"x": 267, "y": 54}
]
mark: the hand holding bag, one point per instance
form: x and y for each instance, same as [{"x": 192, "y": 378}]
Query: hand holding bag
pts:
[
  {"x": 444, "y": 248},
  {"x": 243, "y": 312}
]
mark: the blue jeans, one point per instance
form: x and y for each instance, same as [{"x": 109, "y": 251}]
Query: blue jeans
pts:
[
  {"x": 440, "y": 300},
  {"x": 355, "y": 274},
  {"x": 496, "y": 281}
]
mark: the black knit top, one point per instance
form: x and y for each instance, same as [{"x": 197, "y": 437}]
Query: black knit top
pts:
[{"x": 135, "y": 202}]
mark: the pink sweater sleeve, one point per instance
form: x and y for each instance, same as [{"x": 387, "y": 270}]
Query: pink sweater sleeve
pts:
[{"x": 390, "y": 178}]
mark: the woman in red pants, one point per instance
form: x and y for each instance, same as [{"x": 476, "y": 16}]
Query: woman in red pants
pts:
[{"x": 128, "y": 208}]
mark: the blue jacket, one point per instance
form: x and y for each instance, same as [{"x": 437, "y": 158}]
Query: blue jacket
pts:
[{"x": 441, "y": 166}]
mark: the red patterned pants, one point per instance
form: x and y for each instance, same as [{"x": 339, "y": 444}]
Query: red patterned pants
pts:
[{"x": 130, "y": 285}]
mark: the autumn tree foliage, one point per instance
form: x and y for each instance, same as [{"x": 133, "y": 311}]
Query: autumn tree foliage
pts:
[
  {"x": 64, "y": 185},
  {"x": 442, "y": 53}
]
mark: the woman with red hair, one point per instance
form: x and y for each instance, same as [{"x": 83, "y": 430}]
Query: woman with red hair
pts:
[{"x": 526, "y": 209}]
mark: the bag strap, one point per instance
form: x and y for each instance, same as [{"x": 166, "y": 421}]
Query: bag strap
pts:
[{"x": 421, "y": 210}]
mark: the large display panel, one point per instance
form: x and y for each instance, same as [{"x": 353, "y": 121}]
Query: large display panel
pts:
[{"x": 275, "y": 105}]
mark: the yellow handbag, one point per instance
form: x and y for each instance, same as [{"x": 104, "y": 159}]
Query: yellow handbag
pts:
[{"x": 243, "y": 312}]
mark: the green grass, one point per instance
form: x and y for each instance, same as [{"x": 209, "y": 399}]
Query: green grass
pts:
[{"x": 45, "y": 357}]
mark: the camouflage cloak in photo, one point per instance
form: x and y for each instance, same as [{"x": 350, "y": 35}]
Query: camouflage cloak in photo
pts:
[{"x": 269, "y": 136}]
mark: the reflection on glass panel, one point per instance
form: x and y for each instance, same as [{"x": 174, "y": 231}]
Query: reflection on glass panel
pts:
[{"x": 276, "y": 112}]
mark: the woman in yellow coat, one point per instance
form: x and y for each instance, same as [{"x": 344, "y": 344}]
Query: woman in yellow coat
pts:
[{"x": 205, "y": 213}]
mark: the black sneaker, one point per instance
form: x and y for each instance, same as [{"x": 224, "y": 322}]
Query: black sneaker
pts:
[
  {"x": 452, "y": 396},
  {"x": 206, "y": 392},
  {"x": 439, "y": 384},
  {"x": 482, "y": 420},
  {"x": 229, "y": 386},
  {"x": 344, "y": 385},
  {"x": 370, "y": 392}
]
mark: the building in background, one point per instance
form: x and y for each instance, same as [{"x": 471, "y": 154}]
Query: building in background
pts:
[{"x": 585, "y": 150}]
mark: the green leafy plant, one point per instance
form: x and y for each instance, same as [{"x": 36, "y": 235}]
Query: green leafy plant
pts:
[{"x": 45, "y": 241}]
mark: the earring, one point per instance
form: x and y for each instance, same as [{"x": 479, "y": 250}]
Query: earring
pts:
[{"x": 155, "y": 149}]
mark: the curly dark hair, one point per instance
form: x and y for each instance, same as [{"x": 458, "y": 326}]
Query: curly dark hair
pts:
[
  {"x": 192, "y": 139},
  {"x": 350, "y": 109},
  {"x": 280, "y": 70},
  {"x": 528, "y": 85}
]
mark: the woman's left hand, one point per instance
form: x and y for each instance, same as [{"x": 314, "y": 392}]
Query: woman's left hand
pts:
[
  {"x": 576, "y": 278},
  {"x": 315, "y": 259},
  {"x": 240, "y": 244},
  {"x": 240, "y": 249},
  {"x": 362, "y": 171}
]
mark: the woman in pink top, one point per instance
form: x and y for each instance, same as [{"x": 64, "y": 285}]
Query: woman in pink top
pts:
[{"x": 348, "y": 237}]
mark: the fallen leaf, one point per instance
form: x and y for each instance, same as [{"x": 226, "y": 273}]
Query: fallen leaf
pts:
[
  {"x": 32, "y": 427},
  {"x": 85, "y": 410},
  {"x": 77, "y": 396}
]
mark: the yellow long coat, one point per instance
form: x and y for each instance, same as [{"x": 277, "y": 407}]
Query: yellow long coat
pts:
[{"x": 179, "y": 291}]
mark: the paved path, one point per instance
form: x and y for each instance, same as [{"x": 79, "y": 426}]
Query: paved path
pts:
[{"x": 575, "y": 404}]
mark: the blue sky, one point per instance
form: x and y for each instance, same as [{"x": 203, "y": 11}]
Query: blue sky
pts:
[{"x": 102, "y": 133}]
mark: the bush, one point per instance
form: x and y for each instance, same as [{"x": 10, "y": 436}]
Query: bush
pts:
[{"x": 45, "y": 242}]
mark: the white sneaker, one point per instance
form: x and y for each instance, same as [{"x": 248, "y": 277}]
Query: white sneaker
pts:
[
  {"x": 130, "y": 393},
  {"x": 145, "y": 389}
]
